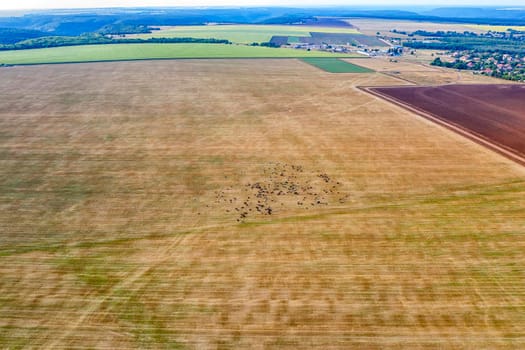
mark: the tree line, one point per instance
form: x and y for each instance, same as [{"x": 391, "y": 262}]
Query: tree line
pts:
[{"x": 97, "y": 39}]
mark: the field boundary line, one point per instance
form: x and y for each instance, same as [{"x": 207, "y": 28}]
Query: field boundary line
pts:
[
  {"x": 176, "y": 59},
  {"x": 390, "y": 74}
]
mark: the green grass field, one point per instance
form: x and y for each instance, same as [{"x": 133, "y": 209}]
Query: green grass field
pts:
[
  {"x": 123, "y": 52},
  {"x": 293, "y": 39},
  {"x": 243, "y": 34},
  {"x": 335, "y": 65}
]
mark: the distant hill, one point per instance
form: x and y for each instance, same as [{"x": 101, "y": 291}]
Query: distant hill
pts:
[
  {"x": 13, "y": 35},
  {"x": 477, "y": 13},
  {"x": 77, "y": 22}
]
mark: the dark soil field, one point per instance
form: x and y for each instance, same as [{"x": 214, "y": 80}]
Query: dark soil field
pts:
[
  {"x": 279, "y": 40},
  {"x": 318, "y": 38},
  {"x": 491, "y": 114}
]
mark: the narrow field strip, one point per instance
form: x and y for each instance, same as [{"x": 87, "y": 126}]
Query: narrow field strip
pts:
[{"x": 336, "y": 65}]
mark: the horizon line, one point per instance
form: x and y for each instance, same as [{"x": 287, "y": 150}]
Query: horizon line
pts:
[{"x": 500, "y": 7}]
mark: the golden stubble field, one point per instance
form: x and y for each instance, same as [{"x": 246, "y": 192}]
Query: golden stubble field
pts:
[
  {"x": 117, "y": 229},
  {"x": 418, "y": 71},
  {"x": 371, "y": 26}
]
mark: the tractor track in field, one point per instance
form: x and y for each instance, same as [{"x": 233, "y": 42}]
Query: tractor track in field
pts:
[{"x": 127, "y": 283}]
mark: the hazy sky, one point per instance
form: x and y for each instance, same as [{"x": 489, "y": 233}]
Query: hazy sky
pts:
[{"x": 39, "y": 4}]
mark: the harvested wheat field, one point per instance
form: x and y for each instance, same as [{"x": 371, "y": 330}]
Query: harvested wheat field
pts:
[
  {"x": 371, "y": 26},
  {"x": 213, "y": 204}
]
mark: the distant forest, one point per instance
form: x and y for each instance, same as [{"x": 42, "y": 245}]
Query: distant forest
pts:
[{"x": 98, "y": 39}]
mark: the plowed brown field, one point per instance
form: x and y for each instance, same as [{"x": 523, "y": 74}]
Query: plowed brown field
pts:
[{"x": 491, "y": 114}]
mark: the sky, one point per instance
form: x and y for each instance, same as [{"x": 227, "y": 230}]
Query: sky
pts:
[{"x": 47, "y": 4}]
